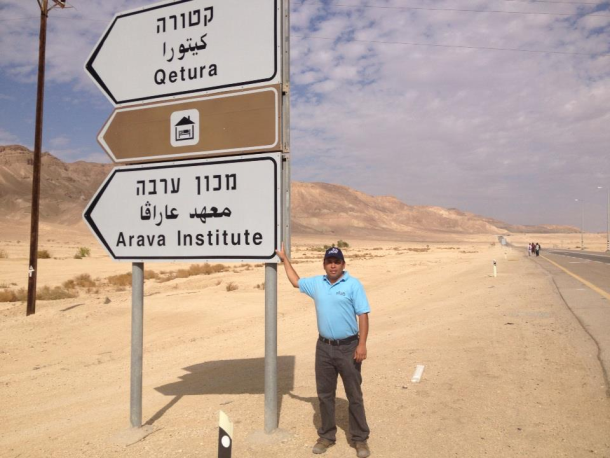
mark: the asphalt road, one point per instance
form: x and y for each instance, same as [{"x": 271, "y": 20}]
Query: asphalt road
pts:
[
  {"x": 591, "y": 256},
  {"x": 583, "y": 280},
  {"x": 592, "y": 267}
]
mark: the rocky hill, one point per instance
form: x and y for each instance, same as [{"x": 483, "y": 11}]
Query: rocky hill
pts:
[{"x": 67, "y": 187}]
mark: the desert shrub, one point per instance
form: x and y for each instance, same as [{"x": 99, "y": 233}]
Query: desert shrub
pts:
[
  {"x": 82, "y": 252},
  {"x": 80, "y": 281},
  {"x": 260, "y": 286},
  {"x": 194, "y": 269},
  {"x": 231, "y": 286},
  {"x": 150, "y": 275},
  {"x": 218, "y": 282},
  {"x": 46, "y": 293},
  {"x": 3, "y": 254},
  {"x": 120, "y": 280},
  {"x": 201, "y": 269},
  {"x": 44, "y": 254},
  {"x": 8, "y": 295},
  {"x": 419, "y": 250},
  {"x": 342, "y": 244}
]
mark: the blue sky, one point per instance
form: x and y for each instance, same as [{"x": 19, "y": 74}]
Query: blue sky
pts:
[{"x": 499, "y": 107}]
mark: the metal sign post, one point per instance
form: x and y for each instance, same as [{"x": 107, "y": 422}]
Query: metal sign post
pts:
[
  {"x": 196, "y": 79},
  {"x": 137, "y": 343},
  {"x": 271, "y": 413},
  {"x": 271, "y": 395}
]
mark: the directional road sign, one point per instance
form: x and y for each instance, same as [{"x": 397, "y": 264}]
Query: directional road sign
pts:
[
  {"x": 209, "y": 209},
  {"x": 176, "y": 48},
  {"x": 233, "y": 123}
]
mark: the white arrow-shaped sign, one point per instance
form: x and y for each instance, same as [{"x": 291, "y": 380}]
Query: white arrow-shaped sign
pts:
[
  {"x": 210, "y": 209},
  {"x": 179, "y": 48}
]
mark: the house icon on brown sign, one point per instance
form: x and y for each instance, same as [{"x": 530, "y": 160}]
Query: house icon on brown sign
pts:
[{"x": 185, "y": 129}]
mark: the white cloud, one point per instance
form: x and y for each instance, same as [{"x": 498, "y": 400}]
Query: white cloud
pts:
[
  {"x": 6, "y": 138},
  {"x": 481, "y": 130},
  {"x": 59, "y": 142}
]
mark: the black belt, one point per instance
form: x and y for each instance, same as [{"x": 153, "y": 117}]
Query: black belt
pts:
[{"x": 335, "y": 343}]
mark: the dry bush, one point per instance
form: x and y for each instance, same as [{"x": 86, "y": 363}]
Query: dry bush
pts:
[
  {"x": 260, "y": 286},
  {"x": 80, "y": 281},
  {"x": 194, "y": 269},
  {"x": 44, "y": 254},
  {"x": 342, "y": 244},
  {"x": 53, "y": 294},
  {"x": 231, "y": 286},
  {"x": 318, "y": 248},
  {"x": 361, "y": 256},
  {"x": 150, "y": 275},
  {"x": 3, "y": 254},
  {"x": 259, "y": 265},
  {"x": 218, "y": 282},
  {"x": 8, "y": 295},
  {"x": 82, "y": 252},
  {"x": 46, "y": 293},
  {"x": 120, "y": 280},
  {"x": 203, "y": 269},
  {"x": 419, "y": 250},
  {"x": 377, "y": 248}
]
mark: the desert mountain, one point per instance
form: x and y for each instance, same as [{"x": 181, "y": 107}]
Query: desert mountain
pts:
[{"x": 67, "y": 187}]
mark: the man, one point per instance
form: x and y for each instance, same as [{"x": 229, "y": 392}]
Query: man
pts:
[{"x": 339, "y": 298}]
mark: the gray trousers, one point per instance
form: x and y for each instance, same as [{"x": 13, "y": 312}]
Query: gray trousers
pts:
[{"x": 332, "y": 361}]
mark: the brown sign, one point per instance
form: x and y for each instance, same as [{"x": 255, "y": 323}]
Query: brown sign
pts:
[{"x": 229, "y": 123}]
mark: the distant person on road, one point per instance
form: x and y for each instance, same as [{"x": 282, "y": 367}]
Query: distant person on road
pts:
[
  {"x": 529, "y": 249},
  {"x": 538, "y": 249},
  {"x": 342, "y": 311}
]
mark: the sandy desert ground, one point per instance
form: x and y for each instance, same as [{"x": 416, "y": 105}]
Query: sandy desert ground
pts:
[{"x": 509, "y": 372}]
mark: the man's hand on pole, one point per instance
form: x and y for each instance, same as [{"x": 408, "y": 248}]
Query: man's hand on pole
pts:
[{"x": 292, "y": 275}]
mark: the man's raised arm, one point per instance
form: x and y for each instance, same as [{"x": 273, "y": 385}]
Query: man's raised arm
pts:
[{"x": 292, "y": 275}]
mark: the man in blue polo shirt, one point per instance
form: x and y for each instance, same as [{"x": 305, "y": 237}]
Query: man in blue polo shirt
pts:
[{"x": 343, "y": 323}]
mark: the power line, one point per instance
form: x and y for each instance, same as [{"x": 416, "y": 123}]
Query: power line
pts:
[
  {"x": 485, "y": 48},
  {"x": 560, "y": 2},
  {"x": 458, "y": 10}
]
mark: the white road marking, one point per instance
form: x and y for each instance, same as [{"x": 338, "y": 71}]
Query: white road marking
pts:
[{"x": 417, "y": 375}]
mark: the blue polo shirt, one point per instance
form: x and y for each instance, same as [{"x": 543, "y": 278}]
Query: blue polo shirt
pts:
[{"x": 336, "y": 305}]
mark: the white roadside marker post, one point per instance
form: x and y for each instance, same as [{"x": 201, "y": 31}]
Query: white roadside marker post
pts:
[
  {"x": 495, "y": 269},
  {"x": 225, "y": 436}
]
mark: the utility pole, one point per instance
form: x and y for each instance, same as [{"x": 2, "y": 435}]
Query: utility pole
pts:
[
  {"x": 607, "y": 218},
  {"x": 33, "y": 266},
  {"x": 582, "y": 223}
]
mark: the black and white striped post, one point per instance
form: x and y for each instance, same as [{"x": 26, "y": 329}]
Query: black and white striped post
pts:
[{"x": 225, "y": 436}]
